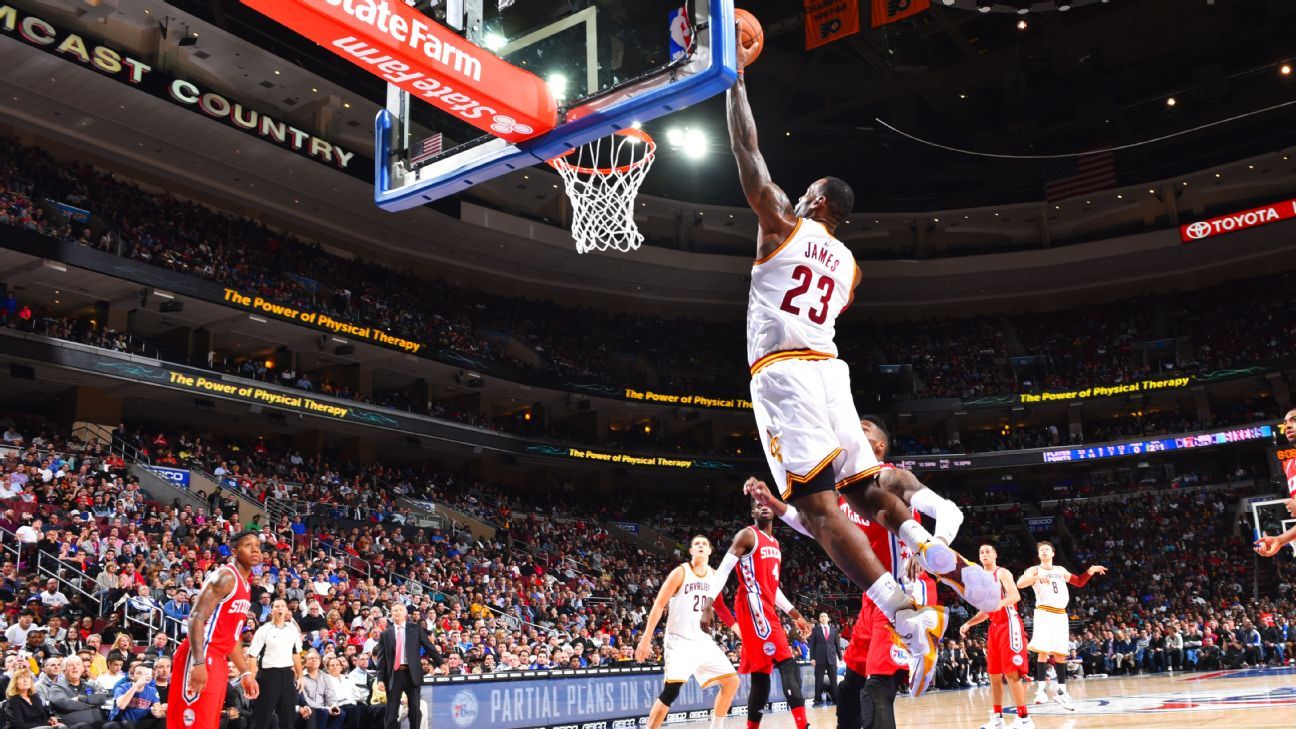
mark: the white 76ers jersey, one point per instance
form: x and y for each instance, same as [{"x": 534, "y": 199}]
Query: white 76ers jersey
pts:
[
  {"x": 688, "y": 604},
  {"x": 1051, "y": 589},
  {"x": 797, "y": 292}
]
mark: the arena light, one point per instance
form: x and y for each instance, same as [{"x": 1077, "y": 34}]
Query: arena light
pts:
[
  {"x": 985, "y": 6},
  {"x": 494, "y": 42},
  {"x": 557, "y": 84},
  {"x": 1285, "y": 70},
  {"x": 695, "y": 144},
  {"x": 1023, "y": 6},
  {"x": 1062, "y": 5}
]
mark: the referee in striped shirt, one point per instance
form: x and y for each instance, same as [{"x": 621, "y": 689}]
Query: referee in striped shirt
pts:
[{"x": 277, "y": 645}]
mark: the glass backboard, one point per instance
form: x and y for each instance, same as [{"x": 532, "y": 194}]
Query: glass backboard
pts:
[{"x": 607, "y": 63}]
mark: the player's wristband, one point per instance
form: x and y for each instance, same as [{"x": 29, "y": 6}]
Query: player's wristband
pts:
[{"x": 244, "y": 675}]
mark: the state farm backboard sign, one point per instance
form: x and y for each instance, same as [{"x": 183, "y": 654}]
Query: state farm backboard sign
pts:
[
  {"x": 1233, "y": 222},
  {"x": 408, "y": 49}
]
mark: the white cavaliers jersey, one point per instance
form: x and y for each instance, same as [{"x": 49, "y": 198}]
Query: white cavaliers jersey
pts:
[
  {"x": 1051, "y": 589},
  {"x": 688, "y": 605},
  {"x": 797, "y": 292}
]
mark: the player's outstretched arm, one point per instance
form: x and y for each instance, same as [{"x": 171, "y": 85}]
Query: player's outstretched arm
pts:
[
  {"x": 1028, "y": 578},
  {"x": 213, "y": 592},
  {"x": 1267, "y": 546},
  {"x": 770, "y": 203},
  {"x": 1083, "y": 579},
  {"x": 667, "y": 591},
  {"x": 761, "y": 494},
  {"x": 783, "y": 603},
  {"x": 975, "y": 620},
  {"x": 742, "y": 544}
]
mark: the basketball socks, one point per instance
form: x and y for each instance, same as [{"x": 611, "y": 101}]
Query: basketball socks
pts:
[
  {"x": 998, "y": 709},
  {"x": 1041, "y": 677},
  {"x": 889, "y": 597},
  {"x": 946, "y": 513},
  {"x": 799, "y": 716},
  {"x": 1021, "y": 712},
  {"x": 1060, "y": 670},
  {"x": 753, "y": 724},
  {"x": 717, "y": 722}
]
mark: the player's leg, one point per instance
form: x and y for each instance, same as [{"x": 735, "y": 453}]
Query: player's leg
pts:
[
  {"x": 790, "y": 677},
  {"x": 670, "y": 692},
  {"x": 714, "y": 668},
  {"x": 724, "y": 699},
  {"x": 850, "y": 694},
  {"x": 757, "y": 697},
  {"x": 1059, "y": 669},
  {"x": 1043, "y": 692},
  {"x": 1017, "y": 690},
  {"x": 881, "y": 693}
]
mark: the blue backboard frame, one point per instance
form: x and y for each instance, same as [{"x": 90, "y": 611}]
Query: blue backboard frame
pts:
[{"x": 710, "y": 71}]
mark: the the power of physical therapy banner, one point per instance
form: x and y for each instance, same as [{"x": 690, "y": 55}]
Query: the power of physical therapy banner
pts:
[
  {"x": 1235, "y": 222},
  {"x": 89, "y": 52},
  {"x": 578, "y": 700}
]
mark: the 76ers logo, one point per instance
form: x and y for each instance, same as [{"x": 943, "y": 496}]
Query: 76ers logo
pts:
[{"x": 189, "y": 717}]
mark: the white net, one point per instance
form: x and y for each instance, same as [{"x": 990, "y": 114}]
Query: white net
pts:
[{"x": 602, "y": 179}]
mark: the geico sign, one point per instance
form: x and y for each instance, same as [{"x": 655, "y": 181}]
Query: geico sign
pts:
[
  {"x": 1234, "y": 222},
  {"x": 407, "y": 49}
]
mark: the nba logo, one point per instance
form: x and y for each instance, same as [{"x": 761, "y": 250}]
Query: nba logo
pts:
[{"x": 681, "y": 33}]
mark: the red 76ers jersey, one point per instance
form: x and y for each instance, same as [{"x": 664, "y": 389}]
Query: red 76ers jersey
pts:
[
  {"x": 758, "y": 583},
  {"x": 1289, "y": 470},
  {"x": 226, "y": 622}
]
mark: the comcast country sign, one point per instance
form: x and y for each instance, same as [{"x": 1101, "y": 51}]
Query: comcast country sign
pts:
[
  {"x": 408, "y": 49},
  {"x": 1233, "y": 222}
]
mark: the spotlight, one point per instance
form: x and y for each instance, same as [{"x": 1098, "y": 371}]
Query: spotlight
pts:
[
  {"x": 557, "y": 84},
  {"x": 1171, "y": 101},
  {"x": 1062, "y": 5},
  {"x": 1285, "y": 70},
  {"x": 1023, "y": 6},
  {"x": 985, "y": 6},
  {"x": 947, "y": 3},
  {"x": 494, "y": 42},
  {"x": 1021, "y": 25},
  {"x": 695, "y": 144}
]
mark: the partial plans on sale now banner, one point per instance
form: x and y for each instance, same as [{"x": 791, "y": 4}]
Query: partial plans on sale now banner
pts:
[{"x": 322, "y": 321}]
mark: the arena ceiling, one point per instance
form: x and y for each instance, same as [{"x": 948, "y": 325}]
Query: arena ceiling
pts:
[{"x": 1097, "y": 76}]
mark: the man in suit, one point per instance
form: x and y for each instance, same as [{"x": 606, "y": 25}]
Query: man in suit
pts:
[
  {"x": 397, "y": 656},
  {"x": 824, "y": 640}
]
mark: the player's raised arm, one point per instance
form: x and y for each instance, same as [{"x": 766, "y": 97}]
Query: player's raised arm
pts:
[
  {"x": 213, "y": 592},
  {"x": 742, "y": 544},
  {"x": 771, "y": 204},
  {"x": 1083, "y": 579},
  {"x": 668, "y": 590},
  {"x": 1011, "y": 594},
  {"x": 1028, "y": 578},
  {"x": 912, "y": 491},
  {"x": 761, "y": 494}
]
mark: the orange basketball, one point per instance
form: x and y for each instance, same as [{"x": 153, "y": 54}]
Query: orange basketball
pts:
[{"x": 751, "y": 37}]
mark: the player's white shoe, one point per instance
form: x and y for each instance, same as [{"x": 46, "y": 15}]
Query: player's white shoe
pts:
[
  {"x": 937, "y": 558},
  {"x": 1041, "y": 696},
  {"x": 978, "y": 588},
  {"x": 996, "y": 722},
  {"x": 1023, "y": 722},
  {"x": 919, "y": 631},
  {"x": 1064, "y": 699}
]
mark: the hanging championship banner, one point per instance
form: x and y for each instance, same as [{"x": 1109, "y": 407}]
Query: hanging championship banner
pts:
[
  {"x": 830, "y": 20},
  {"x": 889, "y": 11}
]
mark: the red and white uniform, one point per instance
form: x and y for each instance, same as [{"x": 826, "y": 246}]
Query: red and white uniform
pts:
[
  {"x": 1006, "y": 648},
  {"x": 1289, "y": 470},
  {"x": 874, "y": 648},
  {"x": 222, "y": 632},
  {"x": 764, "y": 642}
]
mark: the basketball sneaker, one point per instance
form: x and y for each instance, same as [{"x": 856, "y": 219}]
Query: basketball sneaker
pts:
[
  {"x": 1064, "y": 699},
  {"x": 996, "y": 722},
  {"x": 919, "y": 631},
  {"x": 978, "y": 588},
  {"x": 1023, "y": 722},
  {"x": 1041, "y": 696}
]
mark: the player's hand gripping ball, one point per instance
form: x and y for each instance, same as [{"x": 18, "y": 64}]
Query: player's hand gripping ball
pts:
[{"x": 751, "y": 38}]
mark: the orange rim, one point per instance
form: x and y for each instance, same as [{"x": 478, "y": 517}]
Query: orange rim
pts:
[{"x": 561, "y": 162}]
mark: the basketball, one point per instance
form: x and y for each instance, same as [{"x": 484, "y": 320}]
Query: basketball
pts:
[{"x": 751, "y": 37}]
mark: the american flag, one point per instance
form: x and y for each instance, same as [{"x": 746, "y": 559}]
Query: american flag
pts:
[
  {"x": 425, "y": 149},
  {"x": 1070, "y": 176}
]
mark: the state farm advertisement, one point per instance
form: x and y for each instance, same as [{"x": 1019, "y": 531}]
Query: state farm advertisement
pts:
[
  {"x": 406, "y": 48},
  {"x": 1233, "y": 222}
]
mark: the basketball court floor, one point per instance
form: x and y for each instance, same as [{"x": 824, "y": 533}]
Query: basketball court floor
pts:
[{"x": 1252, "y": 698}]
